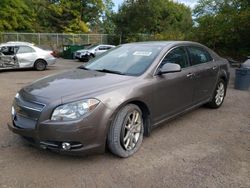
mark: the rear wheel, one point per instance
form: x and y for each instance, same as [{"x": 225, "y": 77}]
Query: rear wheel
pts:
[
  {"x": 40, "y": 65},
  {"x": 219, "y": 95},
  {"x": 126, "y": 132}
]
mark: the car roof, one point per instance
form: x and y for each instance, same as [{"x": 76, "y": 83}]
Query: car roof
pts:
[
  {"x": 15, "y": 43},
  {"x": 105, "y": 45},
  {"x": 163, "y": 43}
]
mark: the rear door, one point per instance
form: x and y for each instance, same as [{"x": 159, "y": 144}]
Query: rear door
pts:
[
  {"x": 173, "y": 92},
  {"x": 205, "y": 71},
  {"x": 26, "y": 56}
]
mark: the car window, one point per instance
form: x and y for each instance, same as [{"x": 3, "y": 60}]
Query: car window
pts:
[
  {"x": 9, "y": 50},
  {"x": 177, "y": 56},
  {"x": 103, "y": 48},
  {"x": 198, "y": 55},
  {"x": 25, "y": 49}
]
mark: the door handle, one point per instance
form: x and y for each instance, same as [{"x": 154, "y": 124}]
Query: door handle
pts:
[
  {"x": 190, "y": 75},
  {"x": 214, "y": 67}
]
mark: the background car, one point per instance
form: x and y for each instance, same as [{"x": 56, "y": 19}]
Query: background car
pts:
[
  {"x": 92, "y": 51},
  {"x": 24, "y": 55}
]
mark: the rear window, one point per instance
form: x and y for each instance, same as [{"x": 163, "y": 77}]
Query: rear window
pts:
[
  {"x": 25, "y": 49},
  {"x": 198, "y": 55}
]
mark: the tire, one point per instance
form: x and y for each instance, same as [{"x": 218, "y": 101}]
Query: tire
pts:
[
  {"x": 218, "y": 95},
  {"x": 40, "y": 65},
  {"x": 82, "y": 60},
  {"x": 126, "y": 132},
  {"x": 91, "y": 56}
]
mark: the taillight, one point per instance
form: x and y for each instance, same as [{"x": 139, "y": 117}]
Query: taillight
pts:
[{"x": 53, "y": 53}]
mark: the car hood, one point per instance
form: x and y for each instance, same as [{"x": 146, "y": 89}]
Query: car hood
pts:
[
  {"x": 76, "y": 82},
  {"x": 81, "y": 51}
]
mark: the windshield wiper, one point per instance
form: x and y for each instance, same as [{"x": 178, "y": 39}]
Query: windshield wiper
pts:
[{"x": 110, "y": 71}]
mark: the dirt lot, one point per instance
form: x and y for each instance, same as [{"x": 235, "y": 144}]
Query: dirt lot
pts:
[{"x": 204, "y": 148}]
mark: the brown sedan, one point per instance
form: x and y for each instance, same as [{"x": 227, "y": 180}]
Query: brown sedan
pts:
[{"x": 118, "y": 97}]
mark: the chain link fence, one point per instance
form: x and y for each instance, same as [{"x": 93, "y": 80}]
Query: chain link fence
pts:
[{"x": 58, "y": 40}]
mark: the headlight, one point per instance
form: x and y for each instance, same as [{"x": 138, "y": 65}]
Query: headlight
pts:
[
  {"x": 17, "y": 96},
  {"x": 85, "y": 53},
  {"x": 74, "y": 110}
]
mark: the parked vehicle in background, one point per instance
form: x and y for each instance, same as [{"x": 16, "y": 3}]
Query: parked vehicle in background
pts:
[
  {"x": 118, "y": 97},
  {"x": 15, "y": 55},
  {"x": 92, "y": 51}
]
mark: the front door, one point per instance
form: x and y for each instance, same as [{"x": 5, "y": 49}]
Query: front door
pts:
[
  {"x": 173, "y": 92},
  {"x": 8, "y": 57}
]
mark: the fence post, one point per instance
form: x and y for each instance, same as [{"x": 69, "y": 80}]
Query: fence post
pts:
[
  {"x": 57, "y": 40},
  {"x": 16, "y": 36},
  {"x": 88, "y": 38},
  {"x": 73, "y": 39},
  {"x": 39, "y": 39}
]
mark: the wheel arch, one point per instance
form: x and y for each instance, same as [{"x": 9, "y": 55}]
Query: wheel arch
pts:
[
  {"x": 145, "y": 113},
  {"x": 223, "y": 76}
]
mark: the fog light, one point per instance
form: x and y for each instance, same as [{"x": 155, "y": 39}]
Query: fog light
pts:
[{"x": 66, "y": 146}]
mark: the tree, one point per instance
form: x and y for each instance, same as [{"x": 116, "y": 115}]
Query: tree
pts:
[
  {"x": 15, "y": 16},
  {"x": 69, "y": 16},
  {"x": 107, "y": 17},
  {"x": 163, "y": 18},
  {"x": 224, "y": 25}
]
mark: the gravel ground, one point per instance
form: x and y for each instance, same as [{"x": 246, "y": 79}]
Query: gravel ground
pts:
[{"x": 204, "y": 148}]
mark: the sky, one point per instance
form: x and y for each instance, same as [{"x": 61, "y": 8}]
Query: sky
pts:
[{"x": 190, "y": 3}]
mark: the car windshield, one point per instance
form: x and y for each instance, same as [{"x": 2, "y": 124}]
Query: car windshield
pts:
[{"x": 131, "y": 60}]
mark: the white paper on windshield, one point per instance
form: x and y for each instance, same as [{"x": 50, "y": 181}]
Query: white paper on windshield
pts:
[{"x": 142, "y": 53}]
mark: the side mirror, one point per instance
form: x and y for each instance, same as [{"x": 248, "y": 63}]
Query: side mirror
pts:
[{"x": 169, "y": 68}]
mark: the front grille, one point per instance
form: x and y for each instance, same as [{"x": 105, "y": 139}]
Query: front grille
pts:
[{"x": 26, "y": 113}]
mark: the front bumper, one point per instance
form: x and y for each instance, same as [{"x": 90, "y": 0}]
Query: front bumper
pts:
[
  {"x": 86, "y": 136},
  {"x": 83, "y": 57}
]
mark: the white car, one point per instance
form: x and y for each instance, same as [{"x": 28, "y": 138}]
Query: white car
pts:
[
  {"x": 15, "y": 55},
  {"x": 92, "y": 51}
]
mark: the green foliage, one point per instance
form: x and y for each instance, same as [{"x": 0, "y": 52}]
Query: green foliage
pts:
[
  {"x": 68, "y": 16},
  {"x": 163, "y": 18},
  {"x": 108, "y": 23},
  {"x": 224, "y": 26},
  {"x": 15, "y": 16}
]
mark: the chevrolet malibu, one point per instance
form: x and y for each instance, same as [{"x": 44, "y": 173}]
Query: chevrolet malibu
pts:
[{"x": 119, "y": 97}]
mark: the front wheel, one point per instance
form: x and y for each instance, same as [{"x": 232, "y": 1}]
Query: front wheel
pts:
[
  {"x": 219, "y": 95},
  {"x": 91, "y": 56},
  {"x": 126, "y": 132}
]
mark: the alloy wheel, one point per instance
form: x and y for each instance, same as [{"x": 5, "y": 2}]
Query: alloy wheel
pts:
[
  {"x": 220, "y": 93},
  {"x": 132, "y": 130}
]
